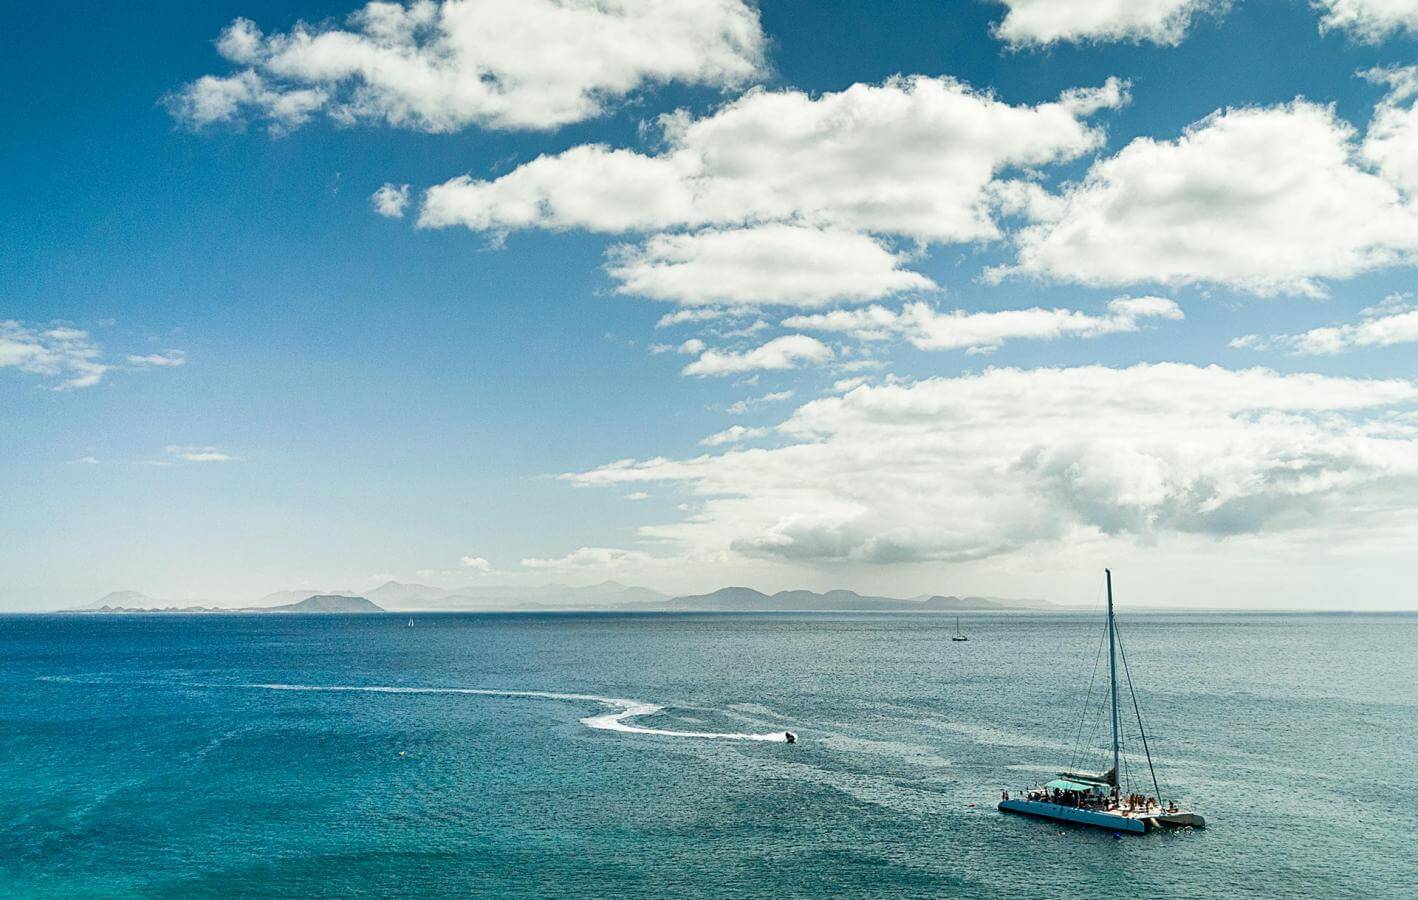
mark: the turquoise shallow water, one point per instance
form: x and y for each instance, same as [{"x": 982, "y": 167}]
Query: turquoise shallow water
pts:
[{"x": 140, "y": 760}]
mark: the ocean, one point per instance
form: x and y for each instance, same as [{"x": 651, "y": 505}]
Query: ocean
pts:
[{"x": 605, "y": 754}]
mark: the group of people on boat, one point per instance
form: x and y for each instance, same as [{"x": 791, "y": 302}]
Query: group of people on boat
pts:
[
  {"x": 1139, "y": 802},
  {"x": 1077, "y": 799},
  {"x": 1088, "y": 800},
  {"x": 1081, "y": 800}
]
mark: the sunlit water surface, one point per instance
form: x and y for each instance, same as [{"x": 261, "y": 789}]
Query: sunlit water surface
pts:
[{"x": 169, "y": 755}]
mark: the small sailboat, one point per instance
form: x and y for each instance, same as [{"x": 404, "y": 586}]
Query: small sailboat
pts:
[
  {"x": 959, "y": 635},
  {"x": 411, "y": 623},
  {"x": 1087, "y": 798}
]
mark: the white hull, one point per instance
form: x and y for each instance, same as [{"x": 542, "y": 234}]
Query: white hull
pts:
[
  {"x": 1113, "y": 820},
  {"x": 1060, "y": 813}
]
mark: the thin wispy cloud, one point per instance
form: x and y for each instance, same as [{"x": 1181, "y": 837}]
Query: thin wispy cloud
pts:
[
  {"x": 67, "y": 356},
  {"x": 698, "y": 314},
  {"x": 742, "y": 406},
  {"x": 1040, "y": 23},
  {"x": 930, "y": 329},
  {"x": 690, "y": 347},
  {"x": 734, "y": 434},
  {"x": 165, "y": 360},
  {"x": 1395, "y": 321},
  {"x": 198, "y": 454},
  {"x": 599, "y": 559}
]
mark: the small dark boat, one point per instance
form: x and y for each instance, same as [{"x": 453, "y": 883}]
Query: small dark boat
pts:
[{"x": 790, "y": 737}]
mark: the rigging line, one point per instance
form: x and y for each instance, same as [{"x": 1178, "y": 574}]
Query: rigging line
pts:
[
  {"x": 1087, "y": 700},
  {"x": 1087, "y": 738},
  {"x": 1095, "y": 754},
  {"x": 1138, "y": 711},
  {"x": 1125, "y": 779}
]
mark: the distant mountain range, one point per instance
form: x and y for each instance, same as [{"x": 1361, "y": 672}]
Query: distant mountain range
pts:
[
  {"x": 742, "y": 599},
  {"x": 325, "y": 603},
  {"x": 286, "y": 598},
  {"x": 606, "y": 595},
  {"x": 394, "y": 596},
  {"x": 133, "y": 602},
  {"x": 401, "y": 597}
]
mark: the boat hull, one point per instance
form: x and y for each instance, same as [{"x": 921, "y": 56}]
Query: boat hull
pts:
[
  {"x": 1074, "y": 815},
  {"x": 1180, "y": 820}
]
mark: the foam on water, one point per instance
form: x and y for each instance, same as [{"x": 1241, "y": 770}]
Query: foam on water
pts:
[{"x": 619, "y": 719}]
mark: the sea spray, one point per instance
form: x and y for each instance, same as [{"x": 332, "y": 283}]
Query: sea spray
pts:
[{"x": 617, "y": 720}]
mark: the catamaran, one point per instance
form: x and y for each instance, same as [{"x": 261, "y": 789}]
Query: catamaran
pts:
[{"x": 1087, "y": 798}]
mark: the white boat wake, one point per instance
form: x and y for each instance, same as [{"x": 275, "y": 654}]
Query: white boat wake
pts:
[{"x": 619, "y": 719}]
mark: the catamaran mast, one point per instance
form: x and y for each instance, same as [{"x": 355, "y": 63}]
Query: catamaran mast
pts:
[{"x": 1113, "y": 683}]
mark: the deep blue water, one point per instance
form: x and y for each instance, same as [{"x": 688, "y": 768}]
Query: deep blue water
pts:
[{"x": 140, "y": 760}]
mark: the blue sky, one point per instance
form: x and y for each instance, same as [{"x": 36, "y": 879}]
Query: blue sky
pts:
[{"x": 296, "y": 391}]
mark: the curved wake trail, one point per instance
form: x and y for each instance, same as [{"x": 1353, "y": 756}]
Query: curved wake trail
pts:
[{"x": 619, "y": 719}]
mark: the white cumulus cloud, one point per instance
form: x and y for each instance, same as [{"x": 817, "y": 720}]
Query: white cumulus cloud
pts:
[
  {"x": 476, "y": 563},
  {"x": 913, "y": 157},
  {"x": 1269, "y": 200},
  {"x": 1048, "y": 21},
  {"x": 769, "y": 264},
  {"x": 986, "y": 464},
  {"x": 789, "y": 198},
  {"x": 506, "y": 64},
  {"x": 1391, "y": 143},
  {"x": 1369, "y": 20},
  {"x": 390, "y": 200},
  {"x": 786, "y": 352},
  {"x": 231, "y": 99}
]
